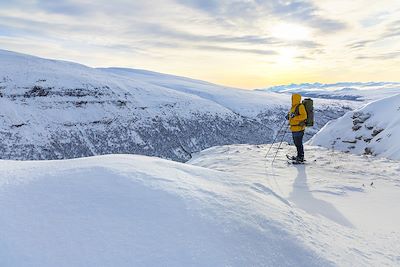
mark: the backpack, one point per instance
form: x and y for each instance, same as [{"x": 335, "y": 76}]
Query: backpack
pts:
[{"x": 308, "y": 104}]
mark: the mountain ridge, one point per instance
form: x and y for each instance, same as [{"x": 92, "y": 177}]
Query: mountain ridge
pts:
[
  {"x": 370, "y": 130},
  {"x": 59, "y": 109}
]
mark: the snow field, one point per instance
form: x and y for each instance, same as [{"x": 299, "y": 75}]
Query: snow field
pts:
[{"x": 226, "y": 207}]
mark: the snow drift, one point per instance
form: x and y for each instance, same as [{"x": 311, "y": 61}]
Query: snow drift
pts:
[
  {"x": 134, "y": 211},
  {"x": 372, "y": 130},
  {"x": 227, "y": 208}
]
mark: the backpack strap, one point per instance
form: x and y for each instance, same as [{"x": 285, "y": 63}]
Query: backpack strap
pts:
[
  {"x": 296, "y": 110},
  {"x": 297, "y": 113}
]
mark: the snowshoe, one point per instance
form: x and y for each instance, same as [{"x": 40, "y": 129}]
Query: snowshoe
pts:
[{"x": 296, "y": 162}]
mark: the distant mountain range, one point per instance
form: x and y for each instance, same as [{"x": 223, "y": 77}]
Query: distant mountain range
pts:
[{"x": 344, "y": 90}]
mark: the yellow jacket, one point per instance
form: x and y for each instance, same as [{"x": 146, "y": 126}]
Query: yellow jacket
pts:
[{"x": 297, "y": 123}]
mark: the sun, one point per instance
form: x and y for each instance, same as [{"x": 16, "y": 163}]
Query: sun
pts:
[
  {"x": 288, "y": 31},
  {"x": 287, "y": 55}
]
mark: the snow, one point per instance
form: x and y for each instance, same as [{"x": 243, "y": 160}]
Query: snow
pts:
[
  {"x": 372, "y": 129},
  {"x": 56, "y": 110},
  {"x": 151, "y": 89},
  {"x": 130, "y": 211},
  {"x": 227, "y": 207},
  {"x": 245, "y": 102},
  {"x": 328, "y": 203},
  {"x": 21, "y": 71}
]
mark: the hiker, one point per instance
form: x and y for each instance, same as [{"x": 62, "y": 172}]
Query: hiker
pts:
[{"x": 297, "y": 117}]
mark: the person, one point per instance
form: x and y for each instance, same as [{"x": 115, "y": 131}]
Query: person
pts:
[{"x": 297, "y": 116}]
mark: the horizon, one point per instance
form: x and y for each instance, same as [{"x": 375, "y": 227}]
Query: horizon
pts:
[
  {"x": 243, "y": 44},
  {"x": 194, "y": 78}
]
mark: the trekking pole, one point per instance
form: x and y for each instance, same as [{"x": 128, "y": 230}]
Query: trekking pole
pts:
[
  {"x": 276, "y": 137},
  {"x": 283, "y": 137}
]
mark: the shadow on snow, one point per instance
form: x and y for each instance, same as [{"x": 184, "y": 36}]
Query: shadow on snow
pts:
[{"x": 304, "y": 199}]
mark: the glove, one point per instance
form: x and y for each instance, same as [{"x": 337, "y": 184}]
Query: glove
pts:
[{"x": 292, "y": 115}]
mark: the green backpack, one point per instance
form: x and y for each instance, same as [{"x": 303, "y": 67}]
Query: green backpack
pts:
[{"x": 308, "y": 104}]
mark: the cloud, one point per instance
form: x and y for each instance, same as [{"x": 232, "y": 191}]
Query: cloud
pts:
[
  {"x": 251, "y": 10},
  {"x": 47, "y": 29},
  {"x": 64, "y": 7},
  {"x": 236, "y": 50},
  {"x": 133, "y": 30},
  {"x": 360, "y": 44},
  {"x": 391, "y": 30},
  {"x": 304, "y": 58},
  {"x": 7, "y": 31},
  {"x": 374, "y": 19},
  {"x": 385, "y": 56},
  {"x": 307, "y": 13},
  {"x": 205, "y": 5},
  {"x": 169, "y": 33}
]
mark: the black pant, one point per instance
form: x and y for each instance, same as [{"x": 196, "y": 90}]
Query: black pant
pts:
[{"x": 298, "y": 142}]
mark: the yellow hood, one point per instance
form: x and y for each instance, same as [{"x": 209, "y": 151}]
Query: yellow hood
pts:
[{"x": 296, "y": 98}]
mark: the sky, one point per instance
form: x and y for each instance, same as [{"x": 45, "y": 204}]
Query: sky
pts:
[{"x": 240, "y": 43}]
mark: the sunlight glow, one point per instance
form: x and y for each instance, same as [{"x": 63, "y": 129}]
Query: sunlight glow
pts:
[
  {"x": 286, "y": 55},
  {"x": 289, "y": 31}
]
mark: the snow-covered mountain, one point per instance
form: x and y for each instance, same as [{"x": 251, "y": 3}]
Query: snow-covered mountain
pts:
[
  {"x": 54, "y": 109},
  {"x": 373, "y": 129},
  {"x": 227, "y": 207},
  {"x": 345, "y": 90}
]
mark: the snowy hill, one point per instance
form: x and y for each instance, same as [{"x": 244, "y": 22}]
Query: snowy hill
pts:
[
  {"x": 56, "y": 110},
  {"x": 227, "y": 207},
  {"x": 373, "y": 129},
  {"x": 344, "y": 90}
]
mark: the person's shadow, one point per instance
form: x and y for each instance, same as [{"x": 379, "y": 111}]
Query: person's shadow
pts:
[{"x": 302, "y": 197}]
